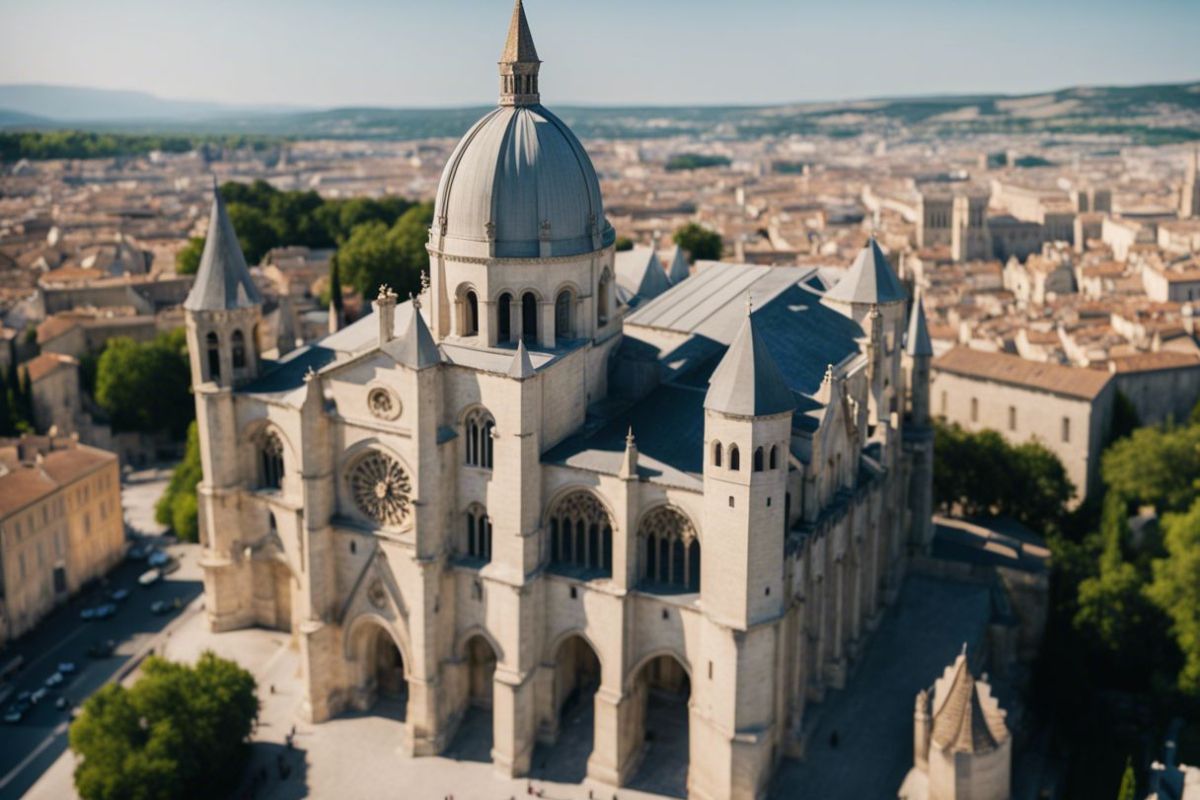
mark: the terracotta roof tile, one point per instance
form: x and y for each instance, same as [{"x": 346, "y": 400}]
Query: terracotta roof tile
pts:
[{"x": 1085, "y": 384}]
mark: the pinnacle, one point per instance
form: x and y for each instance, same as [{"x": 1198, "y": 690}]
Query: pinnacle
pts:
[{"x": 519, "y": 47}]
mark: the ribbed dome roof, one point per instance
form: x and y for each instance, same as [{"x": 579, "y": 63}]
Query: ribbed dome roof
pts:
[{"x": 523, "y": 171}]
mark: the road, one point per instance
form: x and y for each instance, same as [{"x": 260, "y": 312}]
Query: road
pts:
[{"x": 29, "y": 747}]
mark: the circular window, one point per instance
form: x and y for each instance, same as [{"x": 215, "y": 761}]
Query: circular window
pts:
[
  {"x": 383, "y": 403},
  {"x": 381, "y": 489}
]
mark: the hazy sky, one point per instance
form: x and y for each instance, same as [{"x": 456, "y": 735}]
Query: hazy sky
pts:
[{"x": 443, "y": 52}]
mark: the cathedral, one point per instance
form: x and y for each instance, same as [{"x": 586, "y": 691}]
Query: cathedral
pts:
[{"x": 530, "y": 489}]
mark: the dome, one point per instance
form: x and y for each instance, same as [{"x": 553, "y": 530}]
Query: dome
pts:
[{"x": 521, "y": 176}]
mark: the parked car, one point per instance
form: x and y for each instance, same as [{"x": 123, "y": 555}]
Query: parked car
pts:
[
  {"x": 66, "y": 667},
  {"x": 13, "y": 715},
  {"x": 38, "y": 695},
  {"x": 161, "y": 607},
  {"x": 138, "y": 553},
  {"x": 62, "y": 702},
  {"x": 54, "y": 680},
  {"x": 118, "y": 595},
  {"x": 158, "y": 559},
  {"x": 105, "y": 611},
  {"x": 88, "y": 614},
  {"x": 102, "y": 649},
  {"x": 149, "y": 578},
  {"x": 171, "y": 566}
]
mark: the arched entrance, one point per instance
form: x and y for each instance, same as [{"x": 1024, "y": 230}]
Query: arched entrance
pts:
[
  {"x": 576, "y": 679},
  {"x": 474, "y": 737},
  {"x": 381, "y": 685},
  {"x": 272, "y": 594},
  {"x": 661, "y": 691}
]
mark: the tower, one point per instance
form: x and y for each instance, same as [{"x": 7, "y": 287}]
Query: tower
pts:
[
  {"x": 1189, "y": 199},
  {"x": 918, "y": 434},
  {"x": 519, "y": 63},
  {"x": 223, "y": 309}
]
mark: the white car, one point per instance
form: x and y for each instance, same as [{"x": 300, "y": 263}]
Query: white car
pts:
[
  {"x": 54, "y": 680},
  {"x": 149, "y": 577},
  {"x": 158, "y": 558},
  {"x": 38, "y": 696}
]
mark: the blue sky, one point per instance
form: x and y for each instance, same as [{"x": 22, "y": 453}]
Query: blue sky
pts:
[{"x": 443, "y": 52}]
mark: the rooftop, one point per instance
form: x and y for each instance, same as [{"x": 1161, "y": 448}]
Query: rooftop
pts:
[{"x": 1077, "y": 382}]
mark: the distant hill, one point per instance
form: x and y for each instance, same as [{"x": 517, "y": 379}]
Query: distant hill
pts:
[
  {"x": 76, "y": 104},
  {"x": 1141, "y": 114}
]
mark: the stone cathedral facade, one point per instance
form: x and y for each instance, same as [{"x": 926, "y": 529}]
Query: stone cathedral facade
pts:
[{"x": 530, "y": 488}]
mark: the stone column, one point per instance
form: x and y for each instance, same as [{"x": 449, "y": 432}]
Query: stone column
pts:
[{"x": 512, "y": 722}]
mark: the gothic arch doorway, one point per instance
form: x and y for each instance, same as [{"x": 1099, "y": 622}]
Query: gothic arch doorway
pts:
[
  {"x": 381, "y": 683},
  {"x": 572, "y": 729},
  {"x": 662, "y": 689},
  {"x": 474, "y": 736}
]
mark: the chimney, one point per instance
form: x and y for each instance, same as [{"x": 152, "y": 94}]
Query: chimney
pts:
[{"x": 385, "y": 310}]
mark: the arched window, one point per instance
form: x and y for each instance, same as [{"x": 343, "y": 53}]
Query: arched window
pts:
[
  {"x": 213, "y": 345},
  {"x": 271, "y": 457},
  {"x": 529, "y": 320},
  {"x": 735, "y": 458},
  {"x": 562, "y": 315},
  {"x": 772, "y": 463},
  {"x": 581, "y": 535},
  {"x": 504, "y": 317},
  {"x": 670, "y": 551},
  {"x": 602, "y": 299},
  {"x": 758, "y": 459},
  {"x": 716, "y": 454},
  {"x": 470, "y": 314},
  {"x": 478, "y": 429},
  {"x": 238, "y": 345},
  {"x": 478, "y": 544}
]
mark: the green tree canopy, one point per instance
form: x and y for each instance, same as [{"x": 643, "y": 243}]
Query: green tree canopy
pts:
[
  {"x": 1155, "y": 465},
  {"x": 177, "y": 508},
  {"x": 1176, "y": 589},
  {"x": 144, "y": 386},
  {"x": 700, "y": 243},
  {"x": 624, "y": 243},
  {"x": 1128, "y": 789},
  {"x": 187, "y": 260},
  {"x": 180, "y": 732},
  {"x": 375, "y": 254}
]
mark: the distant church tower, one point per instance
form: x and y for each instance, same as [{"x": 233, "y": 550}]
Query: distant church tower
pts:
[
  {"x": 1189, "y": 198},
  {"x": 918, "y": 434}
]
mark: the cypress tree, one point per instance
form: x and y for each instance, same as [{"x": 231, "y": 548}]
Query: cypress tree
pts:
[{"x": 1128, "y": 790}]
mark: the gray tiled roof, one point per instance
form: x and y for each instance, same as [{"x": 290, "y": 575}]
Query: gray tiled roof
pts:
[
  {"x": 223, "y": 281},
  {"x": 414, "y": 348},
  {"x": 748, "y": 382},
  {"x": 870, "y": 279},
  {"x": 641, "y": 274},
  {"x": 916, "y": 341}
]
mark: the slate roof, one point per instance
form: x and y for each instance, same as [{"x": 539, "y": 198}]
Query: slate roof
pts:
[
  {"x": 223, "y": 281},
  {"x": 916, "y": 341},
  {"x": 748, "y": 382},
  {"x": 1078, "y": 382},
  {"x": 414, "y": 348},
  {"x": 641, "y": 274},
  {"x": 870, "y": 279}
]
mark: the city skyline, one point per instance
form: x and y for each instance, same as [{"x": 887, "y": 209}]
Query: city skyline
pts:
[{"x": 369, "y": 53}]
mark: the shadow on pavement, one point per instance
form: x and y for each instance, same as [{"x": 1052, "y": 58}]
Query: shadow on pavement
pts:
[
  {"x": 473, "y": 741},
  {"x": 275, "y": 771},
  {"x": 566, "y": 760}
]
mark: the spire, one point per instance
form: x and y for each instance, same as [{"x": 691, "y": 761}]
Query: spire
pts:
[
  {"x": 629, "y": 461},
  {"x": 916, "y": 342},
  {"x": 747, "y": 382},
  {"x": 870, "y": 279},
  {"x": 416, "y": 348},
  {"x": 967, "y": 719},
  {"x": 521, "y": 367},
  {"x": 519, "y": 63},
  {"x": 223, "y": 280}
]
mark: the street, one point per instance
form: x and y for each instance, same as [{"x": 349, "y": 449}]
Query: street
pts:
[{"x": 29, "y": 747}]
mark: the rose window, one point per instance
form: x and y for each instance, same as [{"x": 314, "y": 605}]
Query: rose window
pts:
[
  {"x": 381, "y": 489},
  {"x": 383, "y": 404}
]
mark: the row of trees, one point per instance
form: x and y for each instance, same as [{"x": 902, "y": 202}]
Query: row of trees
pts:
[
  {"x": 179, "y": 732},
  {"x": 88, "y": 144},
  {"x": 145, "y": 386}
]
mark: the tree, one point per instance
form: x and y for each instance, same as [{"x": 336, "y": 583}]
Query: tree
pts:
[
  {"x": 1176, "y": 590},
  {"x": 700, "y": 243},
  {"x": 1110, "y": 604},
  {"x": 187, "y": 260},
  {"x": 1124, "y": 419},
  {"x": 254, "y": 231},
  {"x": 144, "y": 386},
  {"x": 1128, "y": 790},
  {"x": 375, "y": 255},
  {"x": 180, "y": 732},
  {"x": 177, "y": 508},
  {"x": 1155, "y": 465},
  {"x": 624, "y": 243}
]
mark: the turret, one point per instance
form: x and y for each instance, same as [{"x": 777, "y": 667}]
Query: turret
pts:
[
  {"x": 747, "y": 428},
  {"x": 918, "y": 351},
  {"x": 224, "y": 309},
  {"x": 519, "y": 63}
]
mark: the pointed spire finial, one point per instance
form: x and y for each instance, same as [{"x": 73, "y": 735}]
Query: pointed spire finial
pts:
[
  {"x": 629, "y": 437},
  {"x": 519, "y": 63}
]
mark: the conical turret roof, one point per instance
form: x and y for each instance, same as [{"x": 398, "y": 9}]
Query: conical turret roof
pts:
[
  {"x": 519, "y": 47},
  {"x": 870, "y": 279},
  {"x": 415, "y": 348},
  {"x": 747, "y": 382},
  {"x": 223, "y": 281},
  {"x": 961, "y": 723},
  {"x": 916, "y": 341}
]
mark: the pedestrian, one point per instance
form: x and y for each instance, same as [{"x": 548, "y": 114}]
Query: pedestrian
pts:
[{"x": 272, "y": 688}]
